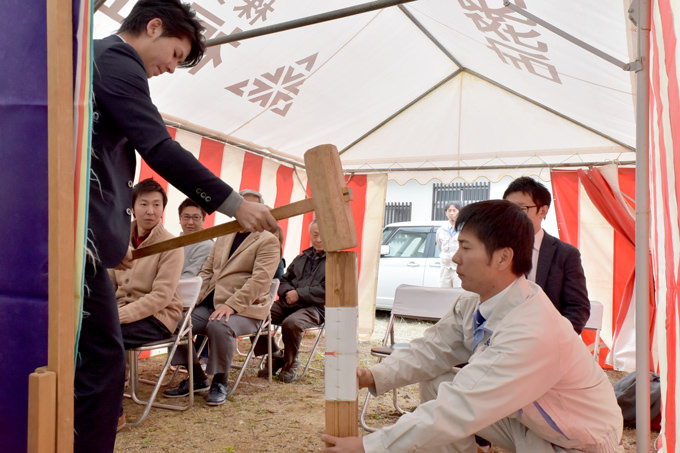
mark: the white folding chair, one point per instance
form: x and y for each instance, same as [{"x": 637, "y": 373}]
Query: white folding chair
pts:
[
  {"x": 188, "y": 290},
  {"x": 410, "y": 302},
  {"x": 595, "y": 323}
]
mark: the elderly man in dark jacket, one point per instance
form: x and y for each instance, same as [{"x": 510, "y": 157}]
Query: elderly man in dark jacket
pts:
[{"x": 301, "y": 303}]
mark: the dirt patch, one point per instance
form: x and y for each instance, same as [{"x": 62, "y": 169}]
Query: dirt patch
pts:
[{"x": 263, "y": 417}]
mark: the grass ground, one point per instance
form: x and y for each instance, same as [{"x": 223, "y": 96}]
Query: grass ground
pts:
[{"x": 263, "y": 417}]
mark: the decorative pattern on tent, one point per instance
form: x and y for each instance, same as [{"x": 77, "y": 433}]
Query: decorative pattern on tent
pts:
[
  {"x": 664, "y": 168},
  {"x": 276, "y": 90},
  {"x": 426, "y": 85}
]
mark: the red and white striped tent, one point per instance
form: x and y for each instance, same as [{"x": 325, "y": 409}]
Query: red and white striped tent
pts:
[
  {"x": 429, "y": 89},
  {"x": 664, "y": 197}
]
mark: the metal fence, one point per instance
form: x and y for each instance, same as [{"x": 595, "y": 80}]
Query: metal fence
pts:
[
  {"x": 397, "y": 212},
  {"x": 444, "y": 194}
]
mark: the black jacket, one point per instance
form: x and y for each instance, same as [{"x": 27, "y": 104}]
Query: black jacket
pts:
[
  {"x": 560, "y": 273},
  {"x": 307, "y": 275},
  {"x": 125, "y": 119}
]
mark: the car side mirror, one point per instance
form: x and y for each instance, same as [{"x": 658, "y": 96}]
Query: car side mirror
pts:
[{"x": 384, "y": 250}]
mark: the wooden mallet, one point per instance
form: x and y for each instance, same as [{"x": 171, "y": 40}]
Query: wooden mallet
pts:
[{"x": 330, "y": 201}]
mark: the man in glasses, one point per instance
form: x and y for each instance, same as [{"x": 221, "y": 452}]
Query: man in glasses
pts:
[
  {"x": 556, "y": 265},
  {"x": 191, "y": 218}
]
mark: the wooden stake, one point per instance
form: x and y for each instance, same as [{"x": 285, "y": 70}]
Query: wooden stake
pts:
[
  {"x": 341, "y": 418},
  {"x": 341, "y": 333},
  {"x": 42, "y": 407}
]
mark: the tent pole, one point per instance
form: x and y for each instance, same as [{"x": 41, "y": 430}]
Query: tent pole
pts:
[
  {"x": 642, "y": 397},
  {"x": 310, "y": 20}
]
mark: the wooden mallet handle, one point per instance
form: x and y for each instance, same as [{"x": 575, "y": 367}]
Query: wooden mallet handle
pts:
[{"x": 282, "y": 212}]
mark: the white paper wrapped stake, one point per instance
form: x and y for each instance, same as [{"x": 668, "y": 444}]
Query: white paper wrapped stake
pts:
[{"x": 342, "y": 353}]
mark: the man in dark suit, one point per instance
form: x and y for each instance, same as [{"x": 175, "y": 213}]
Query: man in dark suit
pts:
[
  {"x": 155, "y": 38},
  {"x": 556, "y": 265}
]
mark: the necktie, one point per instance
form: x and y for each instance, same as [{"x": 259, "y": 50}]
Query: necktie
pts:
[{"x": 479, "y": 321}]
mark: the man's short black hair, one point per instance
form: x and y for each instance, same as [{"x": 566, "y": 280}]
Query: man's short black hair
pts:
[
  {"x": 179, "y": 21},
  {"x": 148, "y": 185},
  {"x": 499, "y": 224},
  {"x": 531, "y": 187},
  {"x": 189, "y": 202}
]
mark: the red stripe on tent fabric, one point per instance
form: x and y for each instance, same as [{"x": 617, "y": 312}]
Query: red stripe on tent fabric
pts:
[
  {"x": 601, "y": 195},
  {"x": 624, "y": 252},
  {"x": 251, "y": 172},
  {"x": 566, "y": 204},
  {"x": 210, "y": 155},
  {"x": 146, "y": 172},
  {"x": 306, "y": 220},
  {"x": 358, "y": 184},
  {"x": 284, "y": 192},
  {"x": 671, "y": 334}
]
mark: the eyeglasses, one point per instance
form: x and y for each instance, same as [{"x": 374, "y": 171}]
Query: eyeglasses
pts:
[
  {"x": 195, "y": 217},
  {"x": 526, "y": 208}
]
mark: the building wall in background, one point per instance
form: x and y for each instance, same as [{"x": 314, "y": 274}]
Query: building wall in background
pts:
[{"x": 420, "y": 195}]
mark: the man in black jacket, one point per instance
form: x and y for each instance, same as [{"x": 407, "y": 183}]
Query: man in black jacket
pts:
[
  {"x": 301, "y": 305},
  {"x": 556, "y": 265},
  {"x": 155, "y": 38}
]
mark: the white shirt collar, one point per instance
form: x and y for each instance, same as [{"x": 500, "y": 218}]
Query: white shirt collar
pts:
[
  {"x": 538, "y": 239},
  {"x": 487, "y": 307}
]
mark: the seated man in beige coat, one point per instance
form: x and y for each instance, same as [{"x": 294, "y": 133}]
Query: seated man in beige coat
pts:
[
  {"x": 234, "y": 299},
  {"x": 530, "y": 384},
  {"x": 149, "y": 307}
]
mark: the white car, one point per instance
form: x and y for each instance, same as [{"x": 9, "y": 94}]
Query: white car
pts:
[{"x": 408, "y": 255}]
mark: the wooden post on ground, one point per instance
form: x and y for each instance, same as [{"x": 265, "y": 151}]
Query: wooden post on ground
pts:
[
  {"x": 336, "y": 225},
  {"x": 51, "y": 389},
  {"x": 341, "y": 344}
]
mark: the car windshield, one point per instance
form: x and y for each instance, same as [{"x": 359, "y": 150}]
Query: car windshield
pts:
[
  {"x": 387, "y": 232},
  {"x": 407, "y": 243}
]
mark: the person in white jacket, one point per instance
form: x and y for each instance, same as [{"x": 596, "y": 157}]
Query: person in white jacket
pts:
[
  {"x": 447, "y": 244},
  {"x": 529, "y": 385}
]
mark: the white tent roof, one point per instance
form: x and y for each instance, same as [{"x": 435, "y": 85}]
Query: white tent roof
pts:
[{"x": 466, "y": 86}]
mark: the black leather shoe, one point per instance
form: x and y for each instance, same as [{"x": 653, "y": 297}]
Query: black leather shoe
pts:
[
  {"x": 183, "y": 388},
  {"x": 277, "y": 363},
  {"x": 217, "y": 394},
  {"x": 288, "y": 375}
]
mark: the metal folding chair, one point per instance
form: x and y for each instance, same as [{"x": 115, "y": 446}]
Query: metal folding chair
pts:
[
  {"x": 188, "y": 290},
  {"x": 595, "y": 323},
  {"x": 263, "y": 328},
  {"x": 317, "y": 339},
  {"x": 410, "y": 302}
]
